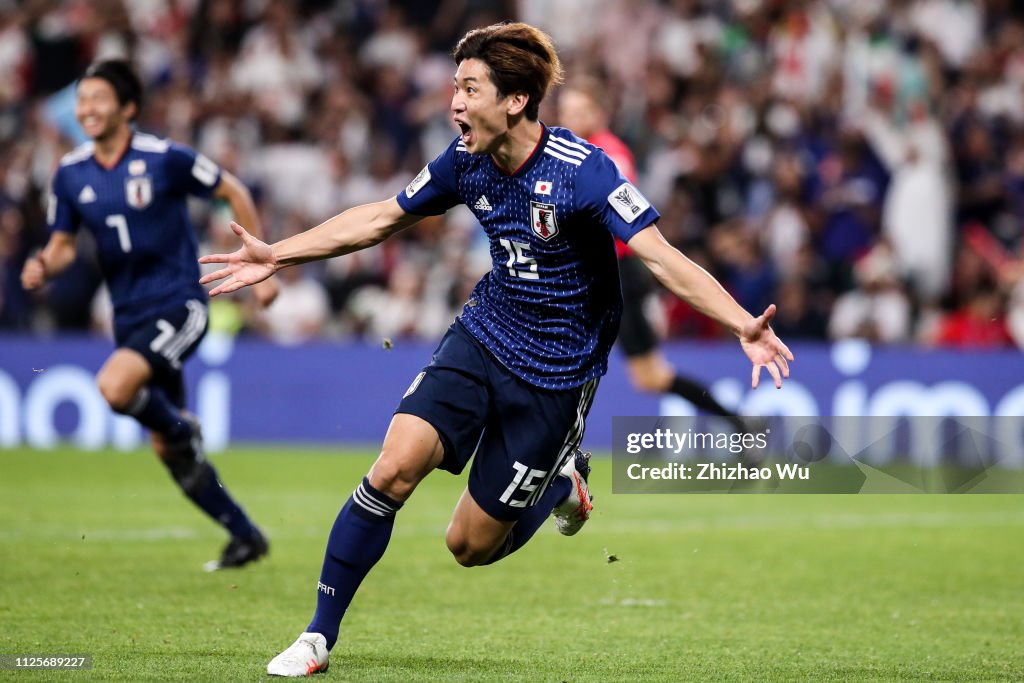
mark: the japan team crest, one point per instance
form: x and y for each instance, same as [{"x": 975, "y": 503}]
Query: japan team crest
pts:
[
  {"x": 542, "y": 220},
  {"x": 138, "y": 192}
]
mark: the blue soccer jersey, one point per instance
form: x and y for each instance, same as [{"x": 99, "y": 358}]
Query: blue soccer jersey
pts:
[
  {"x": 137, "y": 213},
  {"x": 549, "y": 308}
]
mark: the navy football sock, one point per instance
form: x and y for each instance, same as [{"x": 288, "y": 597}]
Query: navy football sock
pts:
[
  {"x": 533, "y": 518},
  {"x": 157, "y": 413},
  {"x": 700, "y": 397},
  {"x": 358, "y": 540},
  {"x": 198, "y": 479},
  {"x": 213, "y": 499}
]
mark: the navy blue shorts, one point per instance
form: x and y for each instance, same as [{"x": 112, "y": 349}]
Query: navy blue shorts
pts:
[
  {"x": 521, "y": 435},
  {"x": 166, "y": 339}
]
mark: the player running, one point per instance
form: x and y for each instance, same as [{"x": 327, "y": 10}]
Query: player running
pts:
[
  {"x": 513, "y": 379},
  {"x": 129, "y": 190}
]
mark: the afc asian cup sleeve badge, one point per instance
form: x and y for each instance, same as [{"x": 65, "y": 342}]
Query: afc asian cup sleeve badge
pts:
[
  {"x": 542, "y": 220},
  {"x": 628, "y": 202},
  {"x": 418, "y": 183},
  {"x": 138, "y": 192}
]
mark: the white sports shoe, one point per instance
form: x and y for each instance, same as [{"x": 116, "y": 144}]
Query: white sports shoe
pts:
[
  {"x": 574, "y": 511},
  {"x": 306, "y": 656}
]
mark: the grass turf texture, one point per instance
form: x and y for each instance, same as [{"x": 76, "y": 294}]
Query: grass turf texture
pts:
[{"x": 100, "y": 555}]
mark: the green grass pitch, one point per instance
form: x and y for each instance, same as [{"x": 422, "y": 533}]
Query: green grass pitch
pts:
[{"x": 100, "y": 555}]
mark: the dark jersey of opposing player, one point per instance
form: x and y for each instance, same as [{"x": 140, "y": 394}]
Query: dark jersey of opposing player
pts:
[
  {"x": 549, "y": 308},
  {"x": 137, "y": 213}
]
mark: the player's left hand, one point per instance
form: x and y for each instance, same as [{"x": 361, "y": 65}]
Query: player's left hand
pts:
[
  {"x": 265, "y": 292},
  {"x": 764, "y": 349}
]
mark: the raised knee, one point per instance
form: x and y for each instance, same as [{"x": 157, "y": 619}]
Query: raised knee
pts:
[
  {"x": 468, "y": 558},
  {"x": 464, "y": 552}
]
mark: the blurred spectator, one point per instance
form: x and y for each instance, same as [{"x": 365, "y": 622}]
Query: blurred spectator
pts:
[
  {"x": 917, "y": 212},
  {"x": 979, "y": 324},
  {"x": 400, "y": 310},
  {"x": 792, "y": 147},
  {"x": 300, "y": 312},
  {"x": 878, "y": 309},
  {"x": 797, "y": 317},
  {"x": 276, "y": 68}
]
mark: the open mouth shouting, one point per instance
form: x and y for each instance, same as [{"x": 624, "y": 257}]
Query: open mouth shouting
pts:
[{"x": 466, "y": 132}]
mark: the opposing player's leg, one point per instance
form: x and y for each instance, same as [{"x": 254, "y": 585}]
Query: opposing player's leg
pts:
[
  {"x": 359, "y": 537},
  {"x": 649, "y": 371}
]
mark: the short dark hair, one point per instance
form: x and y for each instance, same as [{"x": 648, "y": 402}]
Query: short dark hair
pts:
[
  {"x": 521, "y": 59},
  {"x": 122, "y": 78}
]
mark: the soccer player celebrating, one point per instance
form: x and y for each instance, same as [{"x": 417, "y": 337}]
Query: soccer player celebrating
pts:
[
  {"x": 130, "y": 191},
  {"x": 513, "y": 379},
  {"x": 581, "y": 110}
]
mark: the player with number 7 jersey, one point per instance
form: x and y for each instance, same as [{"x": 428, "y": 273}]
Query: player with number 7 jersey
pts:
[
  {"x": 137, "y": 214},
  {"x": 129, "y": 190}
]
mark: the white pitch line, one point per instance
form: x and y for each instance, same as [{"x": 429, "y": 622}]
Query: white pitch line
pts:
[{"x": 600, "y": 524}]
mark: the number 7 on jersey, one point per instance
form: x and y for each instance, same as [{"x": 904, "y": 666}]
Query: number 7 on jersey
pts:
[{"x": 120, "y": 223}]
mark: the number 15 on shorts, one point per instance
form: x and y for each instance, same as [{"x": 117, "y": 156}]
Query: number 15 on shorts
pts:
[{"x": 526, "y": 480}]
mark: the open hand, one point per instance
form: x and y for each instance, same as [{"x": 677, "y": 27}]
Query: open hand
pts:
[
  {"x": 253, "y": 262},
  {"x": 764, "y": 349}
]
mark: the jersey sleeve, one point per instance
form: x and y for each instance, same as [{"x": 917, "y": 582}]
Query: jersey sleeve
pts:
[
  {"x": 61, "y": 214},
  {"x": 190, "y": 172},
  {"x": 604, "y": 193},
  {"x": 434, "y": 190}
]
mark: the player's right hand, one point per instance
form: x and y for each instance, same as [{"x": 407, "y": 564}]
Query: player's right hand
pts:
[
  {"x": 33, "y": 274},
  {"x": 253, "y": 263}
]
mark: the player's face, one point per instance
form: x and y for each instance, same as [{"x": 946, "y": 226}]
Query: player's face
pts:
[
  {"x": 479, "y": 113},
  {"x": 578, "y": 113},
  {"x": 97, "y": 109}
]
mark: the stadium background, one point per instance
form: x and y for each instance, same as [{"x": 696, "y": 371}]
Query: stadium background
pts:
[{"x": 860, "y": 163}]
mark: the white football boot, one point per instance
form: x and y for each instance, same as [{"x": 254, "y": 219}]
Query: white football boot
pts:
[
  {"x": 574, "y": 511},
  {"x": 306, "y": 656}
]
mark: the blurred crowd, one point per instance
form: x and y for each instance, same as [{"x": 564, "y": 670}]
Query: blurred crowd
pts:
[{"x": 858, "y": 162}]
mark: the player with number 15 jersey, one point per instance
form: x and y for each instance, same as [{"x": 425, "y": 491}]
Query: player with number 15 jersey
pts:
[
  {"x": 510, "y": 384},
  {"x": 549, "y": 308}
]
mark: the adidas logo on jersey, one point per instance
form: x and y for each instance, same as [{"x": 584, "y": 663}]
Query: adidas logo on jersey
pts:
[
  {"x": 482, "y": 204},
  {"x": 87, "y": 195}
]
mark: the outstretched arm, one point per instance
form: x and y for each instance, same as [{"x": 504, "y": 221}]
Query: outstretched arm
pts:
[
  {"x": 696, "y": 286},
  {"x": 237, "y": 195},
  {"x": 358, "y": 228},
  {"x": 54, "y": 259}
]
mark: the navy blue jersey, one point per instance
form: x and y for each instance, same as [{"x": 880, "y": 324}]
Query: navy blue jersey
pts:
[
  {"x": 549, "y": 308},
  {"x": 137, "y": 213}
]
